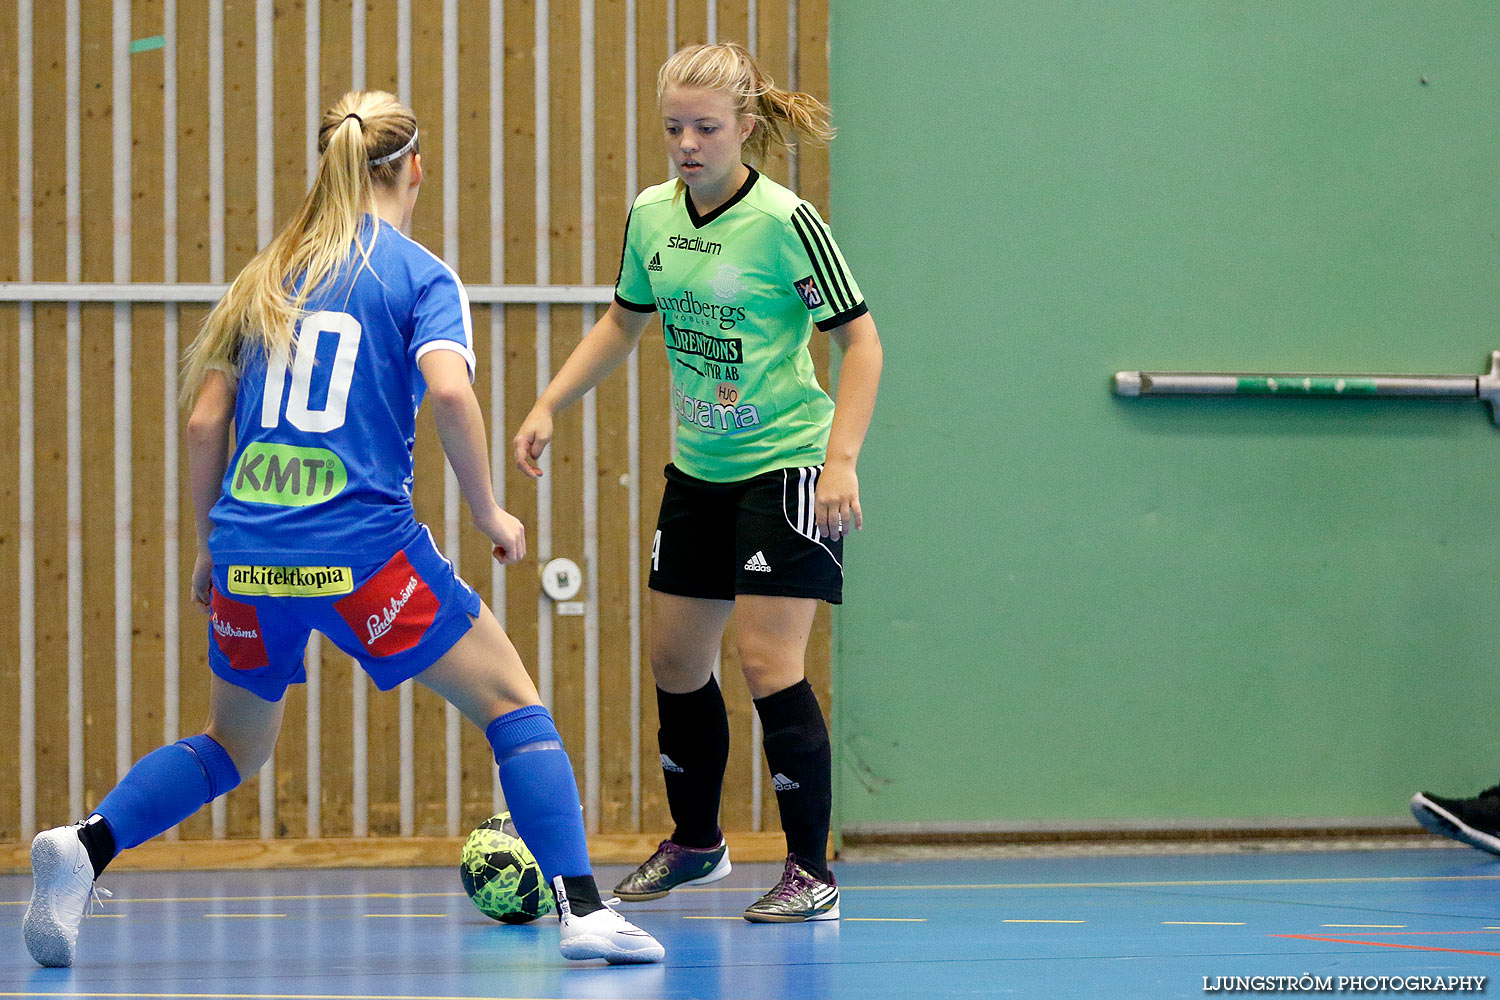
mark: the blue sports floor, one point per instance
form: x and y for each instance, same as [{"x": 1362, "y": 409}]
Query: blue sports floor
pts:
[{"x": 1070, "y": 926}]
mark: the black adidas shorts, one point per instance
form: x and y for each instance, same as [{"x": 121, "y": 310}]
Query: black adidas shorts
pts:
[{"x": 755, "y": 536}]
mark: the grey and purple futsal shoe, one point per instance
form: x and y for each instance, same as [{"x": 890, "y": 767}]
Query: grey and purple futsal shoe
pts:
[
  {"x": 799, "y": 896},
  {"x": 602, "y": 934},
  {"x": 62, "y": 891},
  {"x": 673, "y": 866},
  {"x": 1475, "y": 821}
]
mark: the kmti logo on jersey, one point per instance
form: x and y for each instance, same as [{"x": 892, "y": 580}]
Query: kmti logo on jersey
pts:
[
  {"x": 696, "y": 243},
  {"x": 715, "y": 416},
  {"x": 808, "y": 289},
  {"x": 392, "y": 610},
  {"x": 288, "y": 476},
  {"x": 236, "y": 629},
  {"x": 290, "y": 581}
]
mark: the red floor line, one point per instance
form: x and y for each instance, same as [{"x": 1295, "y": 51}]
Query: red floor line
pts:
[{"x": 1382, "y": 944}]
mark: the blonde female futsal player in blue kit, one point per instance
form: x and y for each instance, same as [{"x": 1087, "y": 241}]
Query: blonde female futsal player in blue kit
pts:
[
  {"x": 319, "y": 357},
  {"x": 754, "y": 515}
]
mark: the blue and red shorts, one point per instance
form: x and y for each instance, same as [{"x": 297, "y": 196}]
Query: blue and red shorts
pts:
[{"x": 397, "y": 617}]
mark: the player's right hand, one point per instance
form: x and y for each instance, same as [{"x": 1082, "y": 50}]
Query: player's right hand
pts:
[
  {"x": 531, "y": 440},
  {"x": 506, "y": 533}
]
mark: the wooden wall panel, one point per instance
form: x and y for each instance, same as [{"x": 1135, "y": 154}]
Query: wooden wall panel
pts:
[
  {"x": 50, "y": 226},
  {"x": 429, "y": 712},
  {"x": 613, "y": 569},
  {"x": 151, "y": 381},
  {"x": 568, "y": 236},
  {"x": 10, "y": 421},
  {"x": 336, "y": 73},
  {"x": 288, "y": 186},
  {"x": 194, "y": 263},
  {"x": 653, "y": 46}
]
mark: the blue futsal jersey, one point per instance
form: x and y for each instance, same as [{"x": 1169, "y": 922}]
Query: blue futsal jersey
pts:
[{"x": 322, "y": 467}]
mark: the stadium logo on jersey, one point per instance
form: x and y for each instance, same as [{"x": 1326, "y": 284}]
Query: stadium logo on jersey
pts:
[
  {"x": 729, "y": 351},
  {"x": 808, "y": 289},
  {"x": 655, "y": 264},
  {"x": 695, "y": 243},
  {"x": 290, "y": 581},
  {"x": 236, "y": 628},
  {"x": 726, "y": 283},
  {"x": 392, "y": 610},
  {"x": 715, "y": 416},
  {"x": 690, "y": 305},
  {"x": 287, "y": 476}
]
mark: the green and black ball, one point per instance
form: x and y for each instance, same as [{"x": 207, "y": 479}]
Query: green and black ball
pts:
[{"x": 501, "y": 876}]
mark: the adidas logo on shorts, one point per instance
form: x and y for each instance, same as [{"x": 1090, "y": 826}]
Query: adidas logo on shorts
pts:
[
  {"x": 668, "y": 764},
  {"x": 758, "y": 564},
  {"x": 655, "y": 264},
  {"x": 783, "y": 783}
]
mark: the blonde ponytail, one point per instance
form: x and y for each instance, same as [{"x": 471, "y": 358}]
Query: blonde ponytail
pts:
[
  {"x": 782, "y": 117},
  {"x": 364, "y": 139}
]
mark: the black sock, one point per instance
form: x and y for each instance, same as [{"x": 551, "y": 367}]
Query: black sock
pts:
[
  {"x": 583, "y": 894},
  {"x": 694, "y": 744},
  {"x": 99, "y": 841},
  {"x": 801, "y": 761}
]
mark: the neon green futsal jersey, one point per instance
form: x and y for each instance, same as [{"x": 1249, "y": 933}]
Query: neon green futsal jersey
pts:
[{"x": 739, "y": 290}]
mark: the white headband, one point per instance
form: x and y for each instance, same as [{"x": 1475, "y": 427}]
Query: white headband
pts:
[{"x": 387, "y": 158}]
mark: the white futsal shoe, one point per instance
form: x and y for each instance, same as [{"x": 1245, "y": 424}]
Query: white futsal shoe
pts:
[
  {"x": 602, "y": 934},
  {"x": 62, "y": 891}
]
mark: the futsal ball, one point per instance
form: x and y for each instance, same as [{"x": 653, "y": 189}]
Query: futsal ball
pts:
[{"x": 501, "y": 876}]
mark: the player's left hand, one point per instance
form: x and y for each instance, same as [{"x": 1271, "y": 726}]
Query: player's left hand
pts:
[
  {"x": 836, "y": 508},
  {"x": 203, "y": 580}
]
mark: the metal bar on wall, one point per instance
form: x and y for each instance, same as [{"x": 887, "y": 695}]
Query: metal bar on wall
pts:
[
  {"x": 216, "y": 236},
  {"x": 543, "y": 338},
  {"x": 499, "y": 454},
  {"x": 586, "y": 142},
  {"x": 170, "y": 497},
  {"x": 26, "y": 399},
  {"x": 265, "y": 223},
  {"x": 187, "y": 293},
  {"x": 406, "y": 693},
  {"x": 633, "y": 436},
  {"x": 360, "y": 685},
  {"x": 312, "y": 114},
  {"x": 74, "y": 390},
  {"x": 453, "y": 763},
  {"x": 123, "y": 478}
]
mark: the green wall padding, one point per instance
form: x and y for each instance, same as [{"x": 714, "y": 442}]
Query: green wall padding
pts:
[{"x": 1073, "y": 608}]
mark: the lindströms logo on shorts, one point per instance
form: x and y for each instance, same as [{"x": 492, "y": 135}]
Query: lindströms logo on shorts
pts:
[
  {"x": 392, "y": 610},
  {"x": 379, "y": 624},
  {"x": 757, "y": 563},
  {"x": 783, "y": 783},
  {"x": 290, "y": 581},
  {"x": 668, "y": 764},
  {"x": 695, "y": 243},
  {"x": 655, "y": 264},
  {"x": 807, "y": 288},
  {"x": 237, "y": 633},
  {"x": 288, "y": 476}
]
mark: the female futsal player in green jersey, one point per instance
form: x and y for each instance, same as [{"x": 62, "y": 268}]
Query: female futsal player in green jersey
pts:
[{"x": 762, "y": 489}]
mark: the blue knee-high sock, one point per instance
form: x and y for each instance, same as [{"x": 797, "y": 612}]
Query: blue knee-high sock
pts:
[
  {"x": 540, "y": 790},
  {"x": 165, "y": 787}
]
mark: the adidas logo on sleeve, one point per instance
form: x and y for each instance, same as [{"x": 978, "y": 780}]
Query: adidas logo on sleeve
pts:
[{"x": 655, "y": 264}]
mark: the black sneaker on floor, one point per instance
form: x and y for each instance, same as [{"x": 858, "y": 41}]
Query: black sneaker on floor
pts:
[
  {"x": 672, "y": 866},
  {"x": 1475, "y": 821}
]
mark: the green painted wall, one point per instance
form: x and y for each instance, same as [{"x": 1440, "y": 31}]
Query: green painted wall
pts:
[{"x": 1069, "y": 607}]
